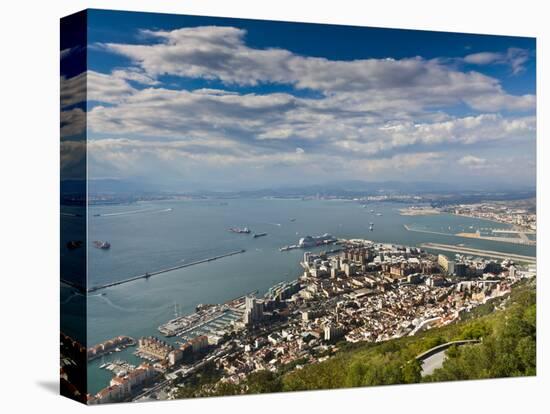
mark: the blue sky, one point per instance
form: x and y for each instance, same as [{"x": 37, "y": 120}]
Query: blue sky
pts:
[{"x": 221, "y": 104}]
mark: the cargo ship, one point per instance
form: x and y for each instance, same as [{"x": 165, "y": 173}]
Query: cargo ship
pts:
[{"x": 245, "y": 230}]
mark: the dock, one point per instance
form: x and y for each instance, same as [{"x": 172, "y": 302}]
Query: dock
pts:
[
  {"x": 159, "y": 272},
  {"x": 181, "y": 325}
]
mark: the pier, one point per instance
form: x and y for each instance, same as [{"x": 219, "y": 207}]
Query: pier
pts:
[
  {"x": 181, "y": 325},
  {"x": 74, "y": 285},
  {"x": 158, "y": 272}
]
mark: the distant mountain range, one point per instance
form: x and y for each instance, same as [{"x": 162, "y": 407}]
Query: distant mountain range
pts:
[{"x": 349, "y": 188}]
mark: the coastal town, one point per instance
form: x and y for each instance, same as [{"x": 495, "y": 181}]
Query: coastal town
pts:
[
  {"x": 521, "y": 217},
  {"x": 362, "y": 291}
]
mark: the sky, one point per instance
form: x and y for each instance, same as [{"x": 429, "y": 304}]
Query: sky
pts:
[{"x": 191, "y": 103}]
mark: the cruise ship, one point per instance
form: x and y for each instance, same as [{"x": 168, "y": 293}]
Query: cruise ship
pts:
[{"x": 310, "y": 241}]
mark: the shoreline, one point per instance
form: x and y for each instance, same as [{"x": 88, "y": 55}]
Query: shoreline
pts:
[
  {"x": 478, "y": 252},
  {"x": 493, "y": 221},
  {"x": 509, "y": 240}
]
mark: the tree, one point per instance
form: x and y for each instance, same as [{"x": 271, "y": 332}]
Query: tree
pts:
[
  {"x": 411, "y": 372},
  {"x": 263, "y": 381}
]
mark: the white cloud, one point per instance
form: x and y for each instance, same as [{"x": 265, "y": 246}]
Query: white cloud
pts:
[
  {"x": 212, "y": 52},
  {"x": 114, "y": 87},
  {"x": 514, "y": 57},
  {"x": 472, "y": 161},
  {"x": 483, "y": 58},
  {"x": 496, "y": 102},
  {"x": 372, "y": 117},
  {"x": 67, "y": 52},
  {"x": 73, "y": 122},
  {"x": 73, "y": 90},
  {"x": 517, "y": 59},
  {"x": 72, "y": 159},
  {"x": 260, "y": 119},
  {"x": 104, "y": 87}
]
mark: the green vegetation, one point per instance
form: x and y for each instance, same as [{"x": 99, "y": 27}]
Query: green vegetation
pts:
[
  {"x": 508, "y": 348},
  {"x": 202, "y": 383}
]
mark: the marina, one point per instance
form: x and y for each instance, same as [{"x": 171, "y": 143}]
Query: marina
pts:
[
  {"x": 118, "y": 367},
  {"x": 207, "y": 319}
]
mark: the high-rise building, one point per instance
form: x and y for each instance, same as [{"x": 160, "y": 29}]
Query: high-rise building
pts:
[
  {"x": 254, "y": 310},
  {"x": 332, "y": 332},
  {"x": 447, "y": 265}
]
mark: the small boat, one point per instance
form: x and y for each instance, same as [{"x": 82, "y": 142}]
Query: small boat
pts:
[
  {"x": 102, "y": 244},
  {"x": 259, "y": 235},
  {"x": 74, "y": 244}
]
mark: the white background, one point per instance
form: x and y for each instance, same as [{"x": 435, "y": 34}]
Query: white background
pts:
[{"x": 29, "y": 212}]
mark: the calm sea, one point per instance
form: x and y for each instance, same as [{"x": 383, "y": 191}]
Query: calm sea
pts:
[{"x": 155, "y": 235}]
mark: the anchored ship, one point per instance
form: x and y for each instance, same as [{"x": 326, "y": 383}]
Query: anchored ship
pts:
[
  {"x": 245, "y": 230},
  {"x": 102, "y": 244}
]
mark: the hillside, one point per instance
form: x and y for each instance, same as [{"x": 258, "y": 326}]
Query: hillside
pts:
[{"x": 507, "y": 328}]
